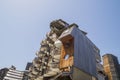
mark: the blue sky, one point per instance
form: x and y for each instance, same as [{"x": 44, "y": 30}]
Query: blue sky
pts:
[{"x": 24, "y": 23}]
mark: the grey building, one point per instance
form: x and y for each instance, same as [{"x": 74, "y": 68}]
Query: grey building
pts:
[{"x": 3, "y": 72}]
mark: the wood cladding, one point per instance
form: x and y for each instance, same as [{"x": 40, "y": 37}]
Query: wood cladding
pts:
[{"x": 66, "y": 60}]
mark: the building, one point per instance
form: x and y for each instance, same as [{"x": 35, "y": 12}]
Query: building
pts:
[
  {"x": 100, "y": 72},
  {"x": 79, "y": 55},
  {"x": 26, "y": 72},
  {"x": 13, "y": 74},
  {"x": 3, "y": 72},
  {"x": 66, "y": 53},
  {"x": 28, "y": 65},
  {"x": 111, "y": 66}
]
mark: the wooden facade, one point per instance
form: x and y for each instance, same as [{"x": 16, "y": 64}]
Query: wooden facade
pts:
[{"x": 67, "y": 52}]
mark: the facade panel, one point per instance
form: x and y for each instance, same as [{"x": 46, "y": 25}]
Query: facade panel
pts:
[{"x": 84, "y": 55}]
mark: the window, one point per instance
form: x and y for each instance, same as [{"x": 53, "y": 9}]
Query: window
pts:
[{"x": 66, "y": 56}]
